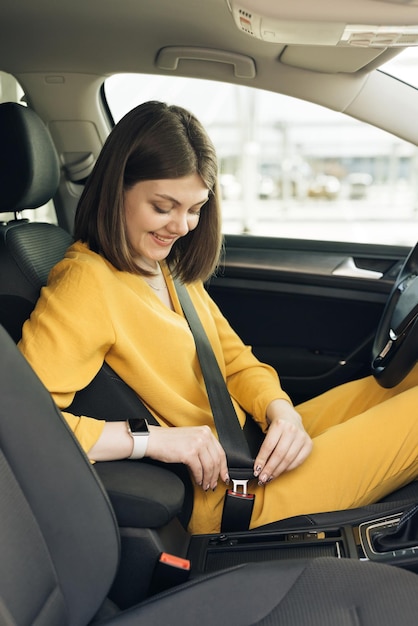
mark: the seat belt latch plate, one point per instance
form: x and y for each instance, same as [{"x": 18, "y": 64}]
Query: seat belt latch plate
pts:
[{"x": 239, "y": 486}]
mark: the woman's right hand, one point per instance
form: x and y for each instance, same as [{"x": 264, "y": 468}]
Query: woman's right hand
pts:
[{"x": 193, "y": 446}]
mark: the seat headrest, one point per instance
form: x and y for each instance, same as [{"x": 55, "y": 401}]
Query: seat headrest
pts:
[{"x": 29, "y": 165}]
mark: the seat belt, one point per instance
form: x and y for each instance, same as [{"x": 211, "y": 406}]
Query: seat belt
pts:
[{"x": 238, "y": 503}]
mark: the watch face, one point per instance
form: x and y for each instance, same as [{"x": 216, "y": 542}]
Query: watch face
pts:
[{"x": 138, "y": 425}]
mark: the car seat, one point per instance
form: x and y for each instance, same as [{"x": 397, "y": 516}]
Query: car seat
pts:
[{"x": 59, "y": 543}]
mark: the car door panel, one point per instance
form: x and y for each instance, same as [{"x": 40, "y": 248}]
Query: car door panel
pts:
[{"x": 310, "y": 309}]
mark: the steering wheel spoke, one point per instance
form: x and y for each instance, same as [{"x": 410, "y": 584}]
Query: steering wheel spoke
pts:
[{"x": 395, "y": 349}]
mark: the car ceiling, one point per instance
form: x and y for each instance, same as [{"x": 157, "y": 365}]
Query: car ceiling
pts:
[
  {"x": 125, "y": 35},
  {"x": 99, "y": 37}
]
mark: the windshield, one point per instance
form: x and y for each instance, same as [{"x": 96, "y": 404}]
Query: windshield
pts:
[{"x": 404, "y": 66}]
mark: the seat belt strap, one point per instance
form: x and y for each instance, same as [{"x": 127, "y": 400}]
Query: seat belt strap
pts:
[{"x": 238, "y": 504}]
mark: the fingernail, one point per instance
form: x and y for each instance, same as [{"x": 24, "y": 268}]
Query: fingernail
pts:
[
  {"x": 207, "y": 487},
  {"x": 227, "y": 481},
  {"x": 257, "y": 471}
]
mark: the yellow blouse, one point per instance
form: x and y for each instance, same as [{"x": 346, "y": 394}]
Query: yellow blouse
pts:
[{"x": 89, "y": 311}]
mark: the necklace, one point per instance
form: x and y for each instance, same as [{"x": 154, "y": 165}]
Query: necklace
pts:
[
  {"x": 156, "y": 288},
  {"x": 158, "y": 275}
]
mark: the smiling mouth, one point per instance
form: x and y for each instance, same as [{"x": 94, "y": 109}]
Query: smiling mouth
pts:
[{"x": 162, "y": 239}]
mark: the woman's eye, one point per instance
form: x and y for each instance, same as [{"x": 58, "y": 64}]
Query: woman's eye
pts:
[{"x": 157, "y": 209}]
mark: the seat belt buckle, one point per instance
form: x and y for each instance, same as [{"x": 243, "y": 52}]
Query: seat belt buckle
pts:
[
  {"x": 238, "y": 507},
  {"x": 170, "y": 570}
]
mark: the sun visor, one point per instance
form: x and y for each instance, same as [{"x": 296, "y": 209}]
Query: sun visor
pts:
[{"x": 323, "y": 59}]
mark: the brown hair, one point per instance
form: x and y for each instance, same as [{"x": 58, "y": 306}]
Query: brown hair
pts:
[{"x": 153, "y": 141}]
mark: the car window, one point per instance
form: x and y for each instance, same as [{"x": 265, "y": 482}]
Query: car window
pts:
[
  {"x": 404, "y": 66},
  {"x": 11, "y": 91},
  {"x": 289, "y": 168}
]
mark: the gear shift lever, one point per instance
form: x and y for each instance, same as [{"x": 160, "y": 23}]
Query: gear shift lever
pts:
[{"x": 403, "y": 535}]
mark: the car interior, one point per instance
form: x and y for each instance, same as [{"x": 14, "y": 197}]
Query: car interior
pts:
[
  {"x": 61, "y": 559},
  {"x": 109, "y": 543}
]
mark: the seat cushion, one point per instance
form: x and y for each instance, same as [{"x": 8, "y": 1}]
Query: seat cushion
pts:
[{"x": 320, "y": 592}]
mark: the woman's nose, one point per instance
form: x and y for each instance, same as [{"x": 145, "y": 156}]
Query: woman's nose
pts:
[{"x": 179, "y": 225}]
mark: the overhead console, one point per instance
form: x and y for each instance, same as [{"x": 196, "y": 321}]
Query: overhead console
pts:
[
  {"x": 358, "y": 42},
  {"x": 272, "y": 22}
]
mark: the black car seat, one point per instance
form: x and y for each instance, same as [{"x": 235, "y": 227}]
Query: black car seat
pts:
[{"x": 59, "y": 545}]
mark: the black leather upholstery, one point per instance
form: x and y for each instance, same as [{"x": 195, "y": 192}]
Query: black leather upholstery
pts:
[
  {"x": 29, "y": 166},
  {"x": 59, "y": 544},
  {"x": 28, "y": 251}
]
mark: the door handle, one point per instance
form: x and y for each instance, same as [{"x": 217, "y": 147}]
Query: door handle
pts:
[{"x": 349, "y": 268}]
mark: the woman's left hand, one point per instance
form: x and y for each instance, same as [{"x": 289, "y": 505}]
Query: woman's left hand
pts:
[{"x": 286, "y": 445}]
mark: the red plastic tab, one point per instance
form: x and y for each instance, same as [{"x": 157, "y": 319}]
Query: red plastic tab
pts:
[
  {"x": 174, "y": 561},
  {"x": 238, "y": 494}
]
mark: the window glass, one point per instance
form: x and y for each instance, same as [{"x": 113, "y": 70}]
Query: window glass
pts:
[
  {"x": 11, "y": 91},
  {"x": 404, "y": 66},
  {"x": 289, "y": 168}
]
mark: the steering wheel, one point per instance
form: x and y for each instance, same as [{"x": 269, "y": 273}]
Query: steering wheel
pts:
[{"x": 395, "y": 348}]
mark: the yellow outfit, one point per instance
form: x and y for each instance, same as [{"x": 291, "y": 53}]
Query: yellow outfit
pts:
[{"x": 89, "y": 311}]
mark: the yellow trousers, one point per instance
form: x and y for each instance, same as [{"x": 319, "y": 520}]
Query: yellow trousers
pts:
[{"x": 365, "y": 445}]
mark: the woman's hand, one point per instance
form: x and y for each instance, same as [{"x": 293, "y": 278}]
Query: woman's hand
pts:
[
  {"x": 194, "y": 446},
  {"x": 286, "y": 444}
]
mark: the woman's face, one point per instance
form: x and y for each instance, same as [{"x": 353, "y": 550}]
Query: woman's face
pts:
[{"x": 158, "y": 212}]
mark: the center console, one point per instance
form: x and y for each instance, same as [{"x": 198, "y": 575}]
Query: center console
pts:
[
  {"x": 208, "y": 553},
  {"x": 403, "y": 553},
  {"x": 169, "y": 555}
]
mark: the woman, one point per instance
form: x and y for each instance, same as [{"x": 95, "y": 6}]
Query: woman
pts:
[{"x": 150, "y": 212}]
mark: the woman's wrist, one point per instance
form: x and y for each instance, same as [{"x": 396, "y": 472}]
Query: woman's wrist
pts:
[{"x": 283, "y": 410}]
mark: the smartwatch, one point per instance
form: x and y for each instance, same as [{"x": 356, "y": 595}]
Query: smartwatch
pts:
[{"x": 139, "y": 431}]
